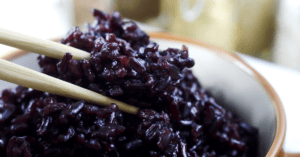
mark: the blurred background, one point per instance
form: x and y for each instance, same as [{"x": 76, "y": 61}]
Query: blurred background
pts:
[{"x": 266, "y": 29}]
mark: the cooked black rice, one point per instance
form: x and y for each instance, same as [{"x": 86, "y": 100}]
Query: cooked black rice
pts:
[{"x": 177, "y": 116}]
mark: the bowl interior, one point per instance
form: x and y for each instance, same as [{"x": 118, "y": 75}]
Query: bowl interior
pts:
[
  {"x": 229, "y": 82},
  {"x": 233, "y": 86}
]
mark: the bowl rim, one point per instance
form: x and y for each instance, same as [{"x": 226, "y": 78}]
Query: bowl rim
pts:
[{"x": 276, "y": 147}]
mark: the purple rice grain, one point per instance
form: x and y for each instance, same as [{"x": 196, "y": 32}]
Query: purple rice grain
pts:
[{"x": 177, "y": 116}]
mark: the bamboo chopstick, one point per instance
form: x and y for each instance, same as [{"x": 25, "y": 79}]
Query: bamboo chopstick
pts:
[
  {"x": 17, "y": 74},
  {"x": 40, "y": 46}
]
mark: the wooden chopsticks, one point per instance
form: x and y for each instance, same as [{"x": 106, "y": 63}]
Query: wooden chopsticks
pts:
[
  {"x": 40, "y": 46},
  {"x": 17, "y": 74},
  {"x": 32, "y": 79}
]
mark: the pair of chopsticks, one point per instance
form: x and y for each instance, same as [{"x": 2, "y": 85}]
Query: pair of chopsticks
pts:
[{"x": 17, "y": 74}]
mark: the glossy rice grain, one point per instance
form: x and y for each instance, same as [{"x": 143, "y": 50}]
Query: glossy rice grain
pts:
[{"x": 177, "y": 117}]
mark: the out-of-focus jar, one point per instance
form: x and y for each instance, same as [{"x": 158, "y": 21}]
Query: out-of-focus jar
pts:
[
  {"x": 83, "y": 7},
  {"x": 242, "y": 25}
]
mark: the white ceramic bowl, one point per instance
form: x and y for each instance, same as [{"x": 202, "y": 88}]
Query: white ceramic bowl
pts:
[{"x": 228, "y": 78}]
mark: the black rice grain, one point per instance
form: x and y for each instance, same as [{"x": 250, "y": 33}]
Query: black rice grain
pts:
[{"x": 177, "y": 116}]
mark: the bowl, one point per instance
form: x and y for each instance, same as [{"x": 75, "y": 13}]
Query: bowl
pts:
[{"x": 228, "y": 78}]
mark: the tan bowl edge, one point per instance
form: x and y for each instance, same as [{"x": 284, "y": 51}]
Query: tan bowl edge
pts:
[{"x": 276, "y": 148}]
